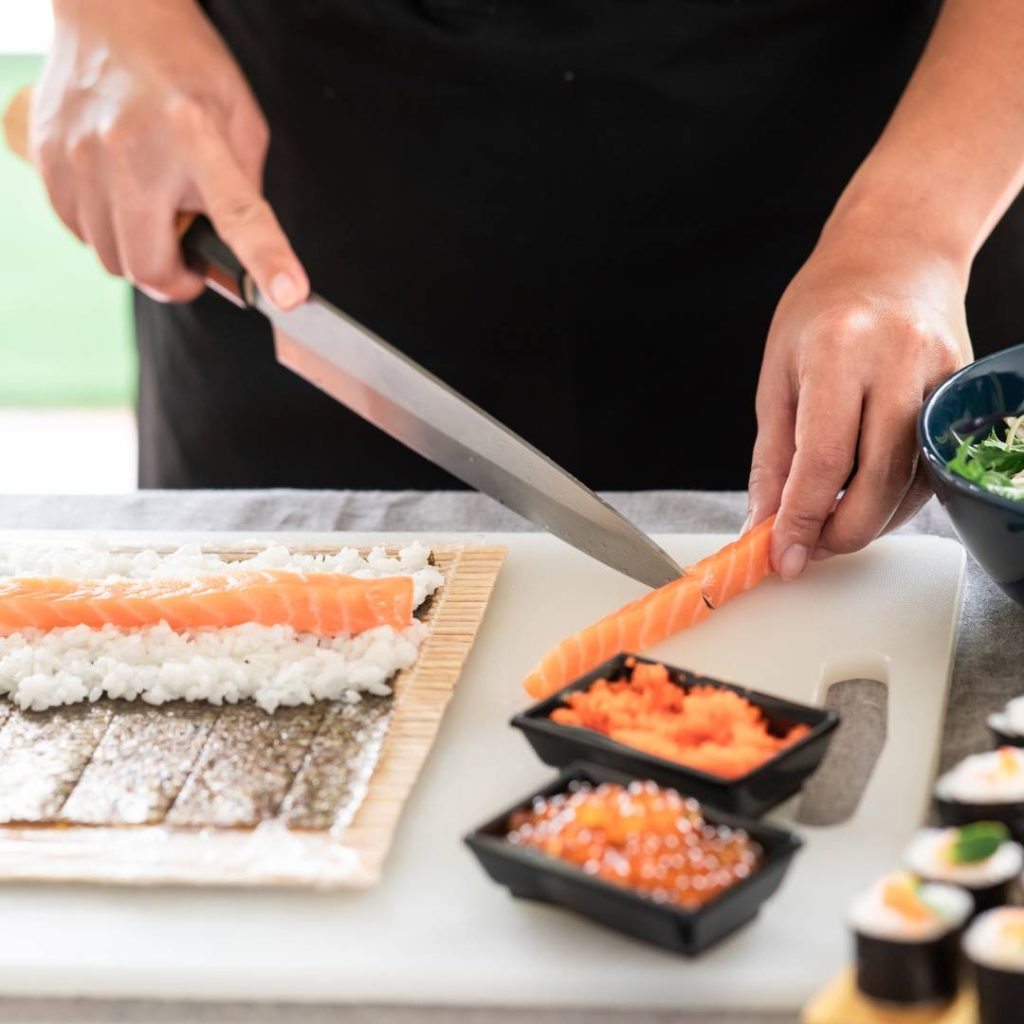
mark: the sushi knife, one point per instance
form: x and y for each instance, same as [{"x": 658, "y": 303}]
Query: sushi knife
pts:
[{"x": 362, "y": 371}]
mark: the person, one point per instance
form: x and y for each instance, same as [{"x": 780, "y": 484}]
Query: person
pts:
[{"x": 580, "y": 213}]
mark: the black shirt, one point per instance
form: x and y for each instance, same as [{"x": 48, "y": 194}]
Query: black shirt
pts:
[{"x": 581, "y": 213}]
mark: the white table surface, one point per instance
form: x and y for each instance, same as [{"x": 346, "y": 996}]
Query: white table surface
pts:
[{"x": 985, "y": 676}]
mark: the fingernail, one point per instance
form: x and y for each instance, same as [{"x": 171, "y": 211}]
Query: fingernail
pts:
[
  {"x": 284, "y": 291},
  {"x": 794, "y": 558},
  {"x": 820, "y": 554},
  {"x": 746, "y": 523}
]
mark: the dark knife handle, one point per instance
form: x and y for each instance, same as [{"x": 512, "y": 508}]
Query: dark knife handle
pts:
[{"x": 208, "y": 255}]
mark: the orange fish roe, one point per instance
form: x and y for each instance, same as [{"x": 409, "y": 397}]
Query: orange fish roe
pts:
[
  {"x": 643, "y": 837},
  {"x": 717, "y": 731},
  {"x": 902, "y": 894}
]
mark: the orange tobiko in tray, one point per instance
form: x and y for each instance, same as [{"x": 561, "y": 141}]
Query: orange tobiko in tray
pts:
[{"x": 718, "y": 731}]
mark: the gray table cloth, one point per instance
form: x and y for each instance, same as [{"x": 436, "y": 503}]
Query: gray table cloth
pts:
[{"x": 989, "y": 657}]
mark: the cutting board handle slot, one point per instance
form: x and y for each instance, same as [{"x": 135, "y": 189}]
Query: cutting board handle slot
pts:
[{"x": 833, "y": 794}]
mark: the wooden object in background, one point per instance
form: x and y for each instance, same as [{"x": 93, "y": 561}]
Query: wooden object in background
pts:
[
  {"x": 16, "y": 122},
  {"x": 841, "y": 1003}
]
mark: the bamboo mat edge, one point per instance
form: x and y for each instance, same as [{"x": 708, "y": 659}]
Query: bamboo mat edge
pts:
[{"x": 423, "y": 693}]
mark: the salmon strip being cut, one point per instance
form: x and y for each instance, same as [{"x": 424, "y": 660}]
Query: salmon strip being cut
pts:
[
  {"x": 657, "y": 615},
  {"x": 324, "y": 603}
]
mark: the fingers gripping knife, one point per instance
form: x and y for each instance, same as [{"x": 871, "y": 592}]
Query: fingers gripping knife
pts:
[{"x": 341, "y": 357}]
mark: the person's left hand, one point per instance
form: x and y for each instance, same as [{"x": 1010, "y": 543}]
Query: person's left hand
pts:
[{"x": 865, "y": 330}]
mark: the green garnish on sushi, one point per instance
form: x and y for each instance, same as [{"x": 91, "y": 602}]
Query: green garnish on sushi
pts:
[
  {"x": 977, "y": 842},
  {"x": 996, "y": 463}
]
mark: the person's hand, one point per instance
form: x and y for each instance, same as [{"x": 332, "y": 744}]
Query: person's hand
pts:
[
  {"x": 865, "y": 330},
  {"x": 142, "y": 112}
]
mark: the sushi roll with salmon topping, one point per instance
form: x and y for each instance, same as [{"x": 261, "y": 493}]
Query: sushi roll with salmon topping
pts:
[
  {"x": 908, "y": 940},
  {"x": 984, "y": 787},
  {"x": 981, "y": 858},
  {"x": 1007, "y": 726},
  {"x": 994, "y": 945}
]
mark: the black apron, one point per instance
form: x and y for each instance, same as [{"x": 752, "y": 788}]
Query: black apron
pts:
[{"x": 580, "y": 213}]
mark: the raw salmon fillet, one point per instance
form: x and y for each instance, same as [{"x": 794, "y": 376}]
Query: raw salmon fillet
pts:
[
  {"x": 657, "y": 615},
  {"x": 323, "y": 603}
]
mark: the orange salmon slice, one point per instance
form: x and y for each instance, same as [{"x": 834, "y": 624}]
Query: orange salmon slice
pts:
[
  {"x": 736, "y": 568},
  {"x": 322, "y": 603}
]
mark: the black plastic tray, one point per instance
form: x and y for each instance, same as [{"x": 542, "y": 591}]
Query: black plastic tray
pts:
[
  {"x": 751, "y": 795},
  {"x": 531, "y": 874}
]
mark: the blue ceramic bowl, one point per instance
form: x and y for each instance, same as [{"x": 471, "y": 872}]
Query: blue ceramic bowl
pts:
[{"x": 992, "y": 528}]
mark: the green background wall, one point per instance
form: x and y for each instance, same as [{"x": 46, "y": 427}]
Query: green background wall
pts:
[{"x": 64, "y": 323}]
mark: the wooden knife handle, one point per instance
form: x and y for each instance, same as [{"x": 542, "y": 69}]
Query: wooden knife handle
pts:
[
  {"x": 204, "y": 251},
  {"x": 209, "y": 256},
  {"x": 16, "y": 122}
]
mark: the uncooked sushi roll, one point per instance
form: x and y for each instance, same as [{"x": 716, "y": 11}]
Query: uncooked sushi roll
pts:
[
  {"x": 981, "y": 858},
  {"x": 985, "y": 787},
  {"x": 994, "y": 944},
  {"x": 908, "y": 940},
  {"x": 1007, "y": 726}
]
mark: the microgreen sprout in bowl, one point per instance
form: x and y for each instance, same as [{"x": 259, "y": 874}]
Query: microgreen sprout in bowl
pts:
[{"x": 995, "y": 463}]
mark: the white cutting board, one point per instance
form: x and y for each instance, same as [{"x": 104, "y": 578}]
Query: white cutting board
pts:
[{"x": 436, "y": 930}]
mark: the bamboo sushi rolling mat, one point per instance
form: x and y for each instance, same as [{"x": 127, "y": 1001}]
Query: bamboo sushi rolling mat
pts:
[
  {"x": 233, "y": 796},
  {"x": 986, "y": 675}
]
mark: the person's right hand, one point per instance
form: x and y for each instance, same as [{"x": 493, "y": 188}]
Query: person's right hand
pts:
[{"x": 142, "y": 112}]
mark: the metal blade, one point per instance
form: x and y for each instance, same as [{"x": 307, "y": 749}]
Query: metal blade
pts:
[{"x": 399, "y": 396}]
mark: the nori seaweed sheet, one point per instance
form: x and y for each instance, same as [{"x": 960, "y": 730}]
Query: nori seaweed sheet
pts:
[
  {"x": 330, "y": 785},
  {"x": 246, "y": 766},
  {"x": 42, "y": 756},
  {"x": 189, "y": 765},
  {"x": 140, "y": 765}
]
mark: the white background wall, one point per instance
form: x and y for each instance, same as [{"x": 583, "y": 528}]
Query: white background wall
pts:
[{"x": 26, "y": 25}]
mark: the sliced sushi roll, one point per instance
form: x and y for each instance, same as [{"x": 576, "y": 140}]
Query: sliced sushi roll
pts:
[
  {"x": 1007, "y": 726},
  {"x": 994, "y": 944},
  {"x": 908, "y": 940},
  {"x": 981, "y": 858},
  {"x": 984, "y": 787}
]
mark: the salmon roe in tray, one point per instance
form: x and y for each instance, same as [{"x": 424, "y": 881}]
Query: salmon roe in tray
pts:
[
  {"x": 643, "y": 837},
  {"x": 710, "y": 728}
]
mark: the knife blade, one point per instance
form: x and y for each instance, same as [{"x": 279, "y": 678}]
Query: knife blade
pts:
[
  {"x": 378, "y": 382},
  {"x": 403, "y": 399}
]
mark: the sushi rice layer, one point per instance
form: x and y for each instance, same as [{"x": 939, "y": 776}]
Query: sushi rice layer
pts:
[
  {"x": 872, "y": 916},
  {"x": 1011, "y": 719},
  {"x": 991, "y": 778},
  {"x": 273, "y": 665},
  {"x": 927, "y": 857},
  {"x": 1015, "y": 715},
  {"x": 996, "y": 940}
]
